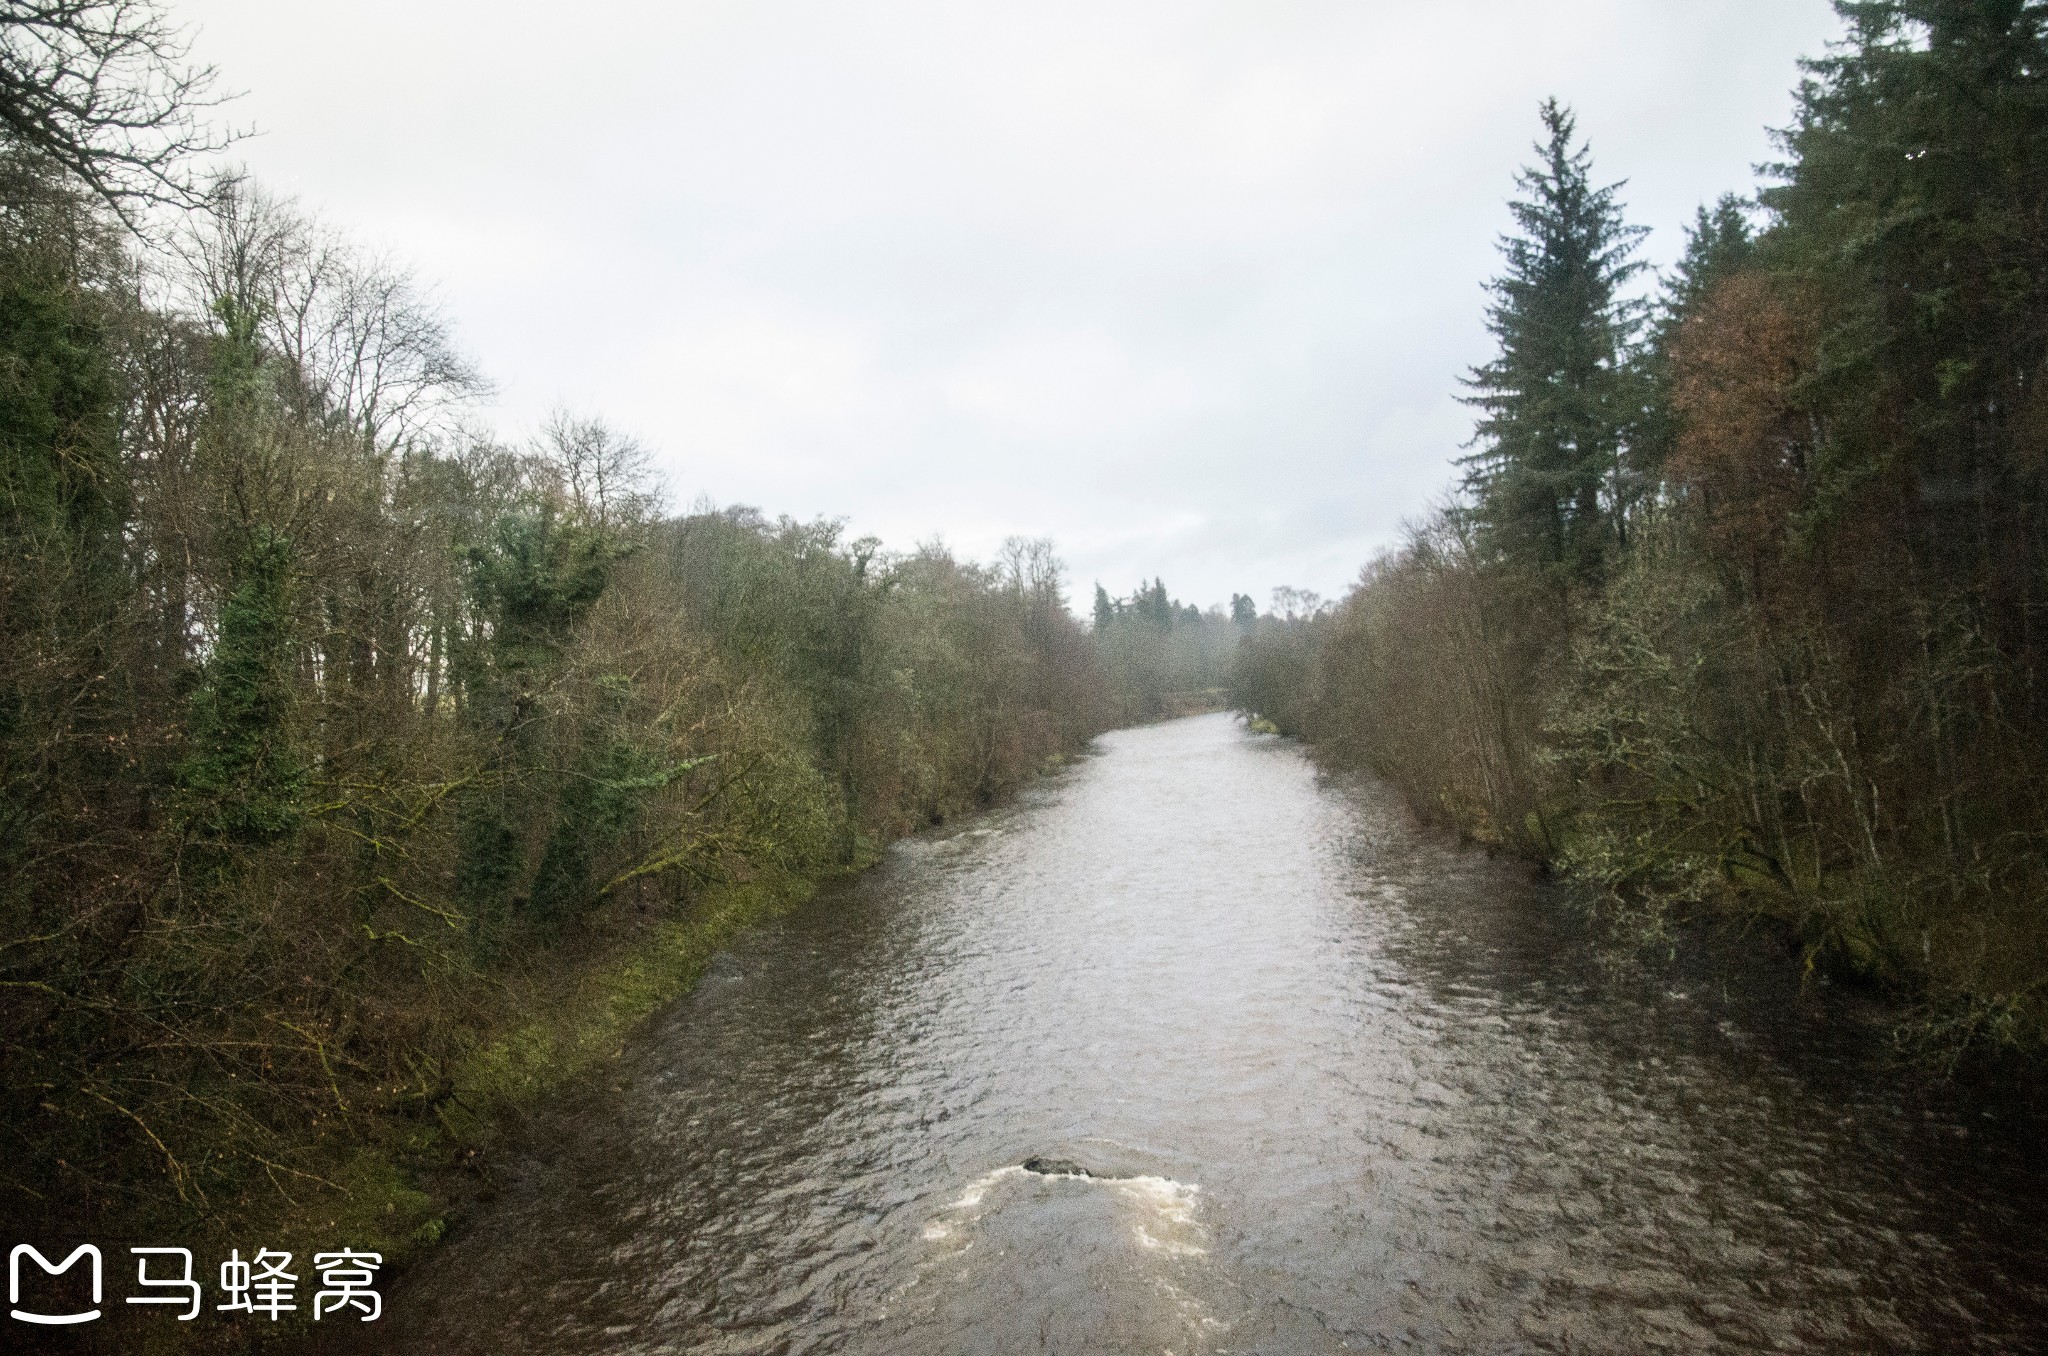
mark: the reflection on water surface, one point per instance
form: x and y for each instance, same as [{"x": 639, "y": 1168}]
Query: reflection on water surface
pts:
[{"x": 1300, "y": 1078}]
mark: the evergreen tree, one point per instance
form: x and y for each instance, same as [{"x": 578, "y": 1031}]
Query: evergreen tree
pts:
[
  {"x": 1718, "y": 244},
  {"x": 1914, "y": 200},
  {"x": 1105, "y": 611},
  {"x": 63, "y": 494},
  {"x": 1552, "y": 478},
  {"x": 1155, "y": 606}
]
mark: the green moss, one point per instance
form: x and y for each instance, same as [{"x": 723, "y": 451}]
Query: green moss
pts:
[
  {"x": 592, "y": 1023},
  {"x": 376, "y": 1200}
]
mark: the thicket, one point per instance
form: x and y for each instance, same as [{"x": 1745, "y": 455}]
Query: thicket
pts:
[
  {"x": 1741, "y": 603},
  {"x": 338, "y": 739}
]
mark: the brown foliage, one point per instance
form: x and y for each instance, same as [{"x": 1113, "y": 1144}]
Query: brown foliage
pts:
[{"x": 1741, "y": 451}]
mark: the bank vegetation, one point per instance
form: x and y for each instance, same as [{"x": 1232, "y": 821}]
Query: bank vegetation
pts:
[
  {"x": 363, "y": 773},
  {"x": 1741, "y": 606}
]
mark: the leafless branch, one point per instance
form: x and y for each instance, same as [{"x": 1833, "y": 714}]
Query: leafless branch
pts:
[{"x": 106, "y": 90}]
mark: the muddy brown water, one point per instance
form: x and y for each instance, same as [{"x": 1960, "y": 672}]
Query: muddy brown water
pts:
[{"x": 1303, "y": 1078}]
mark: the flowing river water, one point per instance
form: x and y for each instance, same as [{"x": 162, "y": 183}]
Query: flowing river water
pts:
[{"x": 1334, "y": 1084}]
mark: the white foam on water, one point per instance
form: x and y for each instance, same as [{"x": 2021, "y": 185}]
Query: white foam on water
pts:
[
  {"x": 1168, "y": 1223},
  {"x": 1172, "y": 1204},
  {"x": 1161, "y": 1214},
  {"x": 979, "y": 1187},
  {"x": 944, "y": 1227}
]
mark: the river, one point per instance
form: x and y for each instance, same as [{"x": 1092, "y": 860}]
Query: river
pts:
[{"x": 1336, "y": 1084}]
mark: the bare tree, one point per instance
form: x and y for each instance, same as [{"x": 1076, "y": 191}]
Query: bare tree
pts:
[
  {"x": 609, "y": 474},
  {"x": 105, "y": 89},
  {"x": 1293, "y": 603},
  {"x": 235, "y": 253},
  {"x": 1030, "y": 565},
  {"x": 371, "y": 349},
  {"x": 368, "y": 351}
]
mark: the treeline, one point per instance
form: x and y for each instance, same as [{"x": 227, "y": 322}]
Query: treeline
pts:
[
  {"x": 335, "y": 734},
  {"x": 1741, "y": 604},
  {"x": 1164, "y": 657}
]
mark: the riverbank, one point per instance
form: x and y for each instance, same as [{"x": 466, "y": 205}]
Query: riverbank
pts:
[
  {"x": 1359, "y": 1087},
  {"x": 408, "y": 1174},
  {"x": 1506, "y": 788},
  {"x": 333, "y": 753},
  {"x": 567, "y": 1024},
  {"x": 1740, "y": 607},
  {"x": 414, "y": 1177}
]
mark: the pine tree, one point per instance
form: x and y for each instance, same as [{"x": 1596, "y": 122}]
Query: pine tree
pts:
[
  {"x": 1158, "y": 608},
  {"x": 1551, "y": 478},
  {"x": 1914, "y": 199},
  {"x": 1718, "y": 244}
]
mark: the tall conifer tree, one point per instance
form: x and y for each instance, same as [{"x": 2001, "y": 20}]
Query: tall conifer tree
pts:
[
  {"x": 1915, "y": 199},
  {"x": 1551, "y": 476},
  {"x": 1718, "y": 244}
]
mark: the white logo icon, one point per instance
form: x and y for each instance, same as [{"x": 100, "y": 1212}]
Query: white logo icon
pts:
[{"x": 14, "y": 1282}]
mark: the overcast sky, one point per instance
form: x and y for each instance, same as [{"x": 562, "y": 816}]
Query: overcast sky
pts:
[{"x": 1185, "y": 286}]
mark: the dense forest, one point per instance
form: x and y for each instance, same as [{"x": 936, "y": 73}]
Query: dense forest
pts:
[
  {"x": 1739, "y": 606},
  {"x": 363, "y": 773}
]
